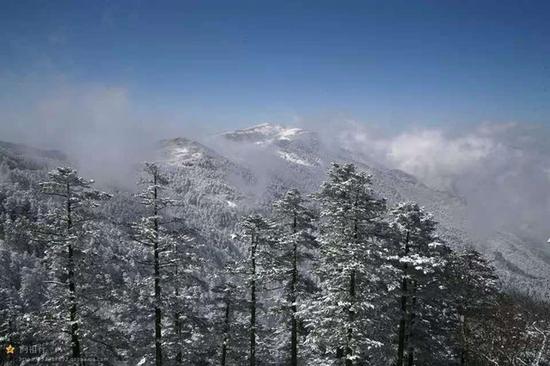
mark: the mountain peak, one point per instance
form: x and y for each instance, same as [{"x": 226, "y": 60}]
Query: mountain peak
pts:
[
  {"x": 265, "y": 132},
  {"x": 184, "y": 150}
]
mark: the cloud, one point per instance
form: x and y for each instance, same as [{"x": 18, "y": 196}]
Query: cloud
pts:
[
  {"x": 436, "y": 159},
  {"x": 500, "y": 170},
  {"x": 100, "y": 127}
]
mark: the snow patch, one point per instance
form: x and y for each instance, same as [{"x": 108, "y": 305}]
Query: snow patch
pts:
[
  {"x": 293, "y": 158},
  {"x": 264, "y": 133},
  {"x": 181, "y": 154},
  {"x": 286, "y": 134}
]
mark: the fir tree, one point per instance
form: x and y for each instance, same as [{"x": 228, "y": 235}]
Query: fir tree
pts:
[
  {"x": 175, "y": 259},
  {"x": 66, "y": 231},
  {"x": 151, "y": 233},
  {"x": 296, "y": 241},
  {"x": 474, "y": 286},
  {"x": 255, "y": 233},
  {"x": 182, "y": 275},
  {"x": 230, "y": 324},
  {"x": 422, "y": 261},
  {"x": 351, "y": 259}
]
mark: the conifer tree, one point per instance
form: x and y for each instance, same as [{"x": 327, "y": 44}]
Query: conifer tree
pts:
[
  {"x": 151, "y": 232},
  {"x": 255, "y": 233},
  {"x": 423, "y": 259},
  {"x": 296, "y": 244},
  {"x": 231, "y": 322},
  {"x": 474, "y": 286},
  {"x": 66, "y": 230},
  {"x": 182, "y": 275},
  {"x": 225, "y": 296},
  {"x": 349, "y": 269},
  {"x": 176, "y": 262}
]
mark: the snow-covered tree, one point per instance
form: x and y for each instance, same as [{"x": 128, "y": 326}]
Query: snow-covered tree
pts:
[
  {"x": 474, "y": 286},
  {"x": 67, "y": 231},
  {"x": 254, "y": 231},
  {"x": 174, "y": 258},
  {"x": 356, "y": 285},
  {"x": 351, "y": 259},
  {"x": 186, "y": 295},
  {"x": 151, "y": 233},
  {"x": 296, "y": 245},
  {"x": 422, "y": 260},
  {"x": 231, "y": 321}
]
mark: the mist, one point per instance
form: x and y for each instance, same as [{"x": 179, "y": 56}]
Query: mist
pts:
[
  {"x": 501, "y": 170},
  {"x": 100, "y": 128}
]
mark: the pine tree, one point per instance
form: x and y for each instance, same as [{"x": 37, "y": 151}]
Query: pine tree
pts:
[
  {"x": 255, "y": 233},
  {"x": 225, "y": 296},
  {"x": 182, "y": 265},
  {"x": 151, "y": 233},
  {"x": 175, "y": 259},
  {"x": 230, "y": 325},
  {"x": 296, "y": 242},
  {"x": 64, "y": 230},
  {"x": 474, "y": 286},
  {"x": 422, "y": 260},
  {"x": 349, "y": 270},
  {"x": 10, "y": 302}
]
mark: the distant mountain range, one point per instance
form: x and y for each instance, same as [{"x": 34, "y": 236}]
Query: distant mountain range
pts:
[{"x": 234, "y": 172}]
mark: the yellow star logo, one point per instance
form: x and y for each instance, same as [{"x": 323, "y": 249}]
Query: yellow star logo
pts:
[{"x": 10, "y": 350}]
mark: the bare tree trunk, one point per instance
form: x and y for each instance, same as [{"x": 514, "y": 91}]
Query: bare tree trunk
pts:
[
  {"x": 542, "y": 347},
  {"x": 73, "y": 314},
  {"x": 158, "y": 312},
  {"x": 226, "y": 331},
  {"x": 351, "y": 311},
  {"x": 463, "y": 351},
  {"x": 293, "y": 298},
  {"x": 156, "y": 250},
  {"x": 403, "y": 320},
  {"x": 177, "y": 314},
  {"x": 410, "y": 351},
  {"x": 351, "y": 316},
  {"x": 253, "y": 304},
  {"x": 177, "y": 326}
]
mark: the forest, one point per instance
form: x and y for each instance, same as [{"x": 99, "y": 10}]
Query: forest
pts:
[{"x": 336, "y": 277}]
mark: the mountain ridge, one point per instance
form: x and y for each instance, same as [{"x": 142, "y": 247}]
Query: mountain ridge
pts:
[{"x": 222, "y": 177}]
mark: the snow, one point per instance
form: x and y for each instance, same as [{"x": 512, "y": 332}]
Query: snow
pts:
[
  {"x": 182, "y": 150},
  {"x": 231, "y": 204},
  {"x": 185, "y": 153},
  {"x": 293, "y": 158},
  {"x": 278, "y": 142},
  {"x": 265, "y": 133},
  {"x": 285, "y": 134}
]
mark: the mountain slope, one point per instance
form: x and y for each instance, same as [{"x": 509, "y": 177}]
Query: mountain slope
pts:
[
  {"x": 235, "y": 172},
  {"x": 280, "y": 158}
]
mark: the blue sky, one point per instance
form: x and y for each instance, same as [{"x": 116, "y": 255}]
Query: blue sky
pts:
[{"x": 234, "y": 63}]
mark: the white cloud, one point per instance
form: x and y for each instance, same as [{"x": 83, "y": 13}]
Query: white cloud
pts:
[
  {"x": 435, "y": 158},
  {"x": 100, "y": 127},
  {"x": 501, "y": 170}
]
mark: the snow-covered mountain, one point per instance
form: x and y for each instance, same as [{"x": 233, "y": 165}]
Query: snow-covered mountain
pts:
[
  {"x": 228, "y": 174},
  {"x": 257, "y": 164}
]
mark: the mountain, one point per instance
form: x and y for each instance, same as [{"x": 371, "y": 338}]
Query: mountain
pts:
[
  {"x": 226, "y": 175},
  {"x": 256, "y": 165}
]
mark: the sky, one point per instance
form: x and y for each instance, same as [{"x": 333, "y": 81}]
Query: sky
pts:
[
  {"x": 456, "y": 93},
  {"x": 229, "y": 64}
]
